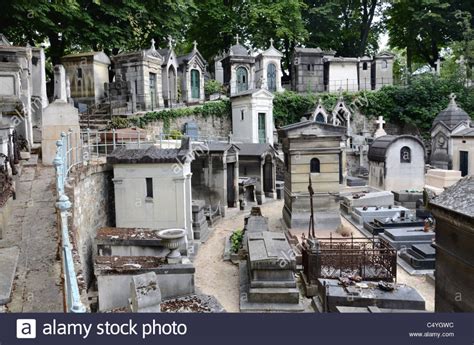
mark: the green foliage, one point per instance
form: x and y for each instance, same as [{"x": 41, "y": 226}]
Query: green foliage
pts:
[
  {"x": 175, "y": 134},
  {"x": 220, "y": 108},
  {"x": 416, "y": 104},
  {"x": 119, "y": 122},
  {"x": 236, "y": 240},
  {"x": 212, "y": 86}
]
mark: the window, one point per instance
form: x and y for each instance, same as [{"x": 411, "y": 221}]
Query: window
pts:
[
  {"x": 384, "y": 64},
  {"x": 242, "y": 79},
  {"x": 364, "y": 66},
  {"x": 271, "y": 77},
  {"x": 405, "y": 154},
  {"x": 149, "y": 187},
  {"x": 320, "y": 118},
  {"x": 195, "y": 84},
  {"x": 315, "y": 166},
  {"x": 79, "y": 72},
  {"x": 309, "y": 67},
  {"x": 242, "y": 115}
]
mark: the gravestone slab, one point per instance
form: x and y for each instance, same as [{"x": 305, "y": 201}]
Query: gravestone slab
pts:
[
  {"x": 8, "y": 263},
  {"x": 379, "y": 225},
  {"x": 407, "y": 237},
  {"x": 200, "y": 225},
  {"x": 145, "y": 293},
  {"x": 361, "y": 199},
  {"x": 402, "y": 297},
  {"x": 420, "y": 256},
  {"x": 355, "y": 181},
  {"x": 361, "y": 215}
]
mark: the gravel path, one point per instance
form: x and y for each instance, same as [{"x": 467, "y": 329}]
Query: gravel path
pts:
[
  {"x": 220, "y": 278},
  {"x": 32, "y": 228}
]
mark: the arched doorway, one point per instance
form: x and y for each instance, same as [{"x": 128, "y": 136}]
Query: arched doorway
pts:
[
  {"x": 268, "y": 177},
  {"x": 195, "y": 84},
  {"x": 271, "y": 77},
  {"x": 172, "y": 85},
  {"x": 242, "y": 79}
]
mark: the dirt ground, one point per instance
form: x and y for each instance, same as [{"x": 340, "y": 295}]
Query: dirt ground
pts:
[{"x": 221, "y": 278}]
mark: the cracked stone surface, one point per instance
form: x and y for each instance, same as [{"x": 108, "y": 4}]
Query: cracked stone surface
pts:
[{"x": 32, "y": 228}]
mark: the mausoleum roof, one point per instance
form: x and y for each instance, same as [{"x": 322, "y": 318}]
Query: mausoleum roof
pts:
[
  {"x": 467, "y": 132},
  {"x": 250, "y": 149},
  {"x": 458, "y": 198},
  {"x": 150, "y": 155},
  {"x": 378, "y": 149},
  {"x": 452, "y": 116},
  {"x": 238, "y": 49}
]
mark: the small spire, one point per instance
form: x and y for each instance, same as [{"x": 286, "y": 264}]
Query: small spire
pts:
[
  {"x": 170, "y": 42},
  {"x": 195, "y": 45},
  {"x": 152, "y": 44},
  {"x": 271, "y": 42},
  {"x": 237, "y": 39}
]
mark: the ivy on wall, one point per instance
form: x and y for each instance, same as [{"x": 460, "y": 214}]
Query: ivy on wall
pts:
[{"x": 416, "y": 104}]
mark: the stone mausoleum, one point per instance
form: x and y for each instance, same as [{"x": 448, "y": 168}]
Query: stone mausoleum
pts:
[
  {"x": 397, "y": 163},
  {"x": 313, "y": 150}
]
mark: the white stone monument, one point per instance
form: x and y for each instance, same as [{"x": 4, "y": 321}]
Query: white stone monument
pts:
[
  {"x": 59, "y": 116},
  {"x": 380, "y": 131}
]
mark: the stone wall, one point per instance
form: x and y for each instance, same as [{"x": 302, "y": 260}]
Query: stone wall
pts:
[
  {"x": 91, "y": 193},
  {"x": 208, "y": 126}
]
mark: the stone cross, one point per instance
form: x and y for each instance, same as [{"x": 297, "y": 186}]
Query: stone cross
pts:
[
  {"x": 195, "y": 45},
  {"x": 170, "y": 41},
  {"x": 271, "y": 42},
  {"x": 380, "y": 122},
  {"x": 152, "y": 44},
  {"x": 237, "y": 38},
  {"x": 380, "y": 131},
  {"x": 438, "y": 66}
]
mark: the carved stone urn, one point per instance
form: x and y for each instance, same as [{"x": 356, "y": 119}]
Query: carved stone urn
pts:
[{"x": 172, "y": 239}]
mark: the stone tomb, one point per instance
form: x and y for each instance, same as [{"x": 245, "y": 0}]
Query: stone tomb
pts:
[
  {"x": 420, "y": 256},
  {"x": 200, "y": 226},
  {"x": 363, "y": 215},
  {"x": 406, "y": 237},
  {"x": 407, "y": 198},
  {"x": 361, "y": 199},
  {"x": 400, "y": 220},
  {"x": 366, "y": 294},
  {"x": 437, "y": 180},
  {"x": 267, "y": 277},
  {"x": 115, "y": 273}
]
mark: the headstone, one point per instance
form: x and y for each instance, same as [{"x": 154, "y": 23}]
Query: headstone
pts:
[
  {"x": 200, "y": 226},
  {"x": 60, "y": 87},
  {"x": 438, "y": 179},
  {"x": 380, "y": 131},
  {"x": 355, "y": 181},
  {"x": 191, "y": 129},
  {"x": 145, "y": 293},
  {"x": 362, "y": 199},
  {"x": 268, "y": 275}
]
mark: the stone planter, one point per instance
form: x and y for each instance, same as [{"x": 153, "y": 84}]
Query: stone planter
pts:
[{"x": 173, "y": 239}]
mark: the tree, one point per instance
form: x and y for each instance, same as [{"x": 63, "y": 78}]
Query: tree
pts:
[
  {"x": 346, "y": 26},
  {"x": 423, "y": 27},
  {"x": 81, "y": 25}
]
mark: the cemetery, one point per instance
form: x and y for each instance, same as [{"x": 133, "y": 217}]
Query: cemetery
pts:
[{"x": 258, "y": 173}]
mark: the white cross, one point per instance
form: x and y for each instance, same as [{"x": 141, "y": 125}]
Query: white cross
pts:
[
  {"x": 152, "y": 44},
  {"x": 195, "y": 44},
  {"x": 438, "y": 66},
  {"x": 237, "y": 38},
  {"x": 271, "y": 42},
  {"x": 170, "y": 41},
  {"x": 380, "y": 122}
]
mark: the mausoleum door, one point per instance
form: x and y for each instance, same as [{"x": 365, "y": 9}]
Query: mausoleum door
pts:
[
  {"x": 230, "y": 185},
  {"x": 153, "y": 90},
  {"x": 271, "y": 77},
  {"x": 242, "y": 79},
  {"x": 195, "y": 84},
  {"x": 463, "y": 162},
  {"x": 261, "y": 128},
  {"x": 172, "y": 84}
]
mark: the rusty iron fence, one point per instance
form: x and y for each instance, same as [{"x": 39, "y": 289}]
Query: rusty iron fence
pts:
[{"x": 333, "y": 258}]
